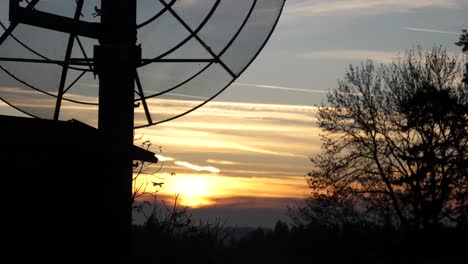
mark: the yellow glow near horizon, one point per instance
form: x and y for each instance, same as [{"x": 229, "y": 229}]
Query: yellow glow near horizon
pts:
[
  {"x": 234, "y": 154},
  {"x": 257, "y": 158},
  {"x": 201, "y": 190},
  {"x": 194, "y": 192}
]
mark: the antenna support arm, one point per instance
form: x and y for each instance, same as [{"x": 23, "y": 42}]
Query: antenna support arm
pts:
[{"x": 37, "y": 18}]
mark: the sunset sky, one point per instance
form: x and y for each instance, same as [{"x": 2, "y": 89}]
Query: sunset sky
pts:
[{"x": 243, "y": 157}]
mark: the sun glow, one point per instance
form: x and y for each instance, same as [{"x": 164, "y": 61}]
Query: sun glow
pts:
[
  {"x": 202, "y": 190},
  {"x": 256, "y": 160},
  {"x": 194, "y": 191}
]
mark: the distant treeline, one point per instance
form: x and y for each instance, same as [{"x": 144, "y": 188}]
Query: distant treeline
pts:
[{"x": 154, "y": 243}]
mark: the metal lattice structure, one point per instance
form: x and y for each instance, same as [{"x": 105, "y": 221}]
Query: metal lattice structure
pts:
[
  {"x": 191, "y": 51},
  {"x": 122, "y": 64}
]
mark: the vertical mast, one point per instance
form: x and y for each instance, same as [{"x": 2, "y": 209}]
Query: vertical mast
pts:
[{"x": 116, "y": 61}]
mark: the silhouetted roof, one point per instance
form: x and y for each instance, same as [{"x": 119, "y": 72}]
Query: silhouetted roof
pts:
[{"x": 33, "y": 132}]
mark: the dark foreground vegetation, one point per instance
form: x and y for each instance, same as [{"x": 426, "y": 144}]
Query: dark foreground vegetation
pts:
[{"x": 297, "y": 244}]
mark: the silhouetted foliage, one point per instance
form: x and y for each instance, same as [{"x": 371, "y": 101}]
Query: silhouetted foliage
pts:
[
  {"x": 394, "y": 147},
  {"x": 170, "y": 235},
  {"x": 463, "y": 42}
]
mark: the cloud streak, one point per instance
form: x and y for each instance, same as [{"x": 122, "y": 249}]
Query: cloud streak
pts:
[
  {"x": 346, "y": 54},
  {"x": 281, "y": 88},
  {"x": 197, "y": 168},
  {"x": 205, "y": 190},
  {"x": 362, "y": 7},
  {"x": 164, "y": 158},
  {"x": 431, "y": 30},
  {"x": 222, "y": 162},
  {"x": 226, "y": 149}
]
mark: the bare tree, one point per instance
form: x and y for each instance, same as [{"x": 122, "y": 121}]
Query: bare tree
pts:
[{"x": 394, "y": 146}]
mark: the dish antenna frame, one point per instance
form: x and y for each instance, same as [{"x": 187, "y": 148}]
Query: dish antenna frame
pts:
[{"x": 116, "y": 60}]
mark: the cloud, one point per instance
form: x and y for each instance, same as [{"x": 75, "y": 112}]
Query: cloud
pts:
[
  {"x": 222, "y": 162},
  {"x": 207, "y": 190},
  {"x": 224, "y": 143},
  {"x": 237, "y": 211},
  {"x": 259, "y": 150},
  {"x": 253, "y": 129},
  {"x": 282, "y": 88},
  {"x": 215, "y": 110},
  {"x": 5, "y": 109},
  {"x": 187, "y": 96},
  {"x": 196, "y": 167},
  {"x": 358, "y": 55},
  {"x": 361, "y": 7},
  {"x": 250, "y": 135},
  {"x": 164, "y": 158},
  {"x": 206, "y": 126},
  {"x": 431, "y": 30}
]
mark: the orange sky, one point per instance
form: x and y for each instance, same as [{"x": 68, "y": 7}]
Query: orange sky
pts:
[
  {"x": 236, "y": 155},
  {"x": 225, "y": 152}
]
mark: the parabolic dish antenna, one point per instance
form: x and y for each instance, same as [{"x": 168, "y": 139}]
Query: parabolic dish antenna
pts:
[{"x": 192, "y": 50}]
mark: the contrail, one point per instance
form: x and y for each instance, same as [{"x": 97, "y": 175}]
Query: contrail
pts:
[
  {"x": 431, "y": 30},
  {"x": 196, "y": 167},
  {"x": 283, "y": 88},
  {"x": 179, "y": 95}
]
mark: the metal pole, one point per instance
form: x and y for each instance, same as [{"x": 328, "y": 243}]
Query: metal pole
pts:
[{"x": 116, "y": 60}]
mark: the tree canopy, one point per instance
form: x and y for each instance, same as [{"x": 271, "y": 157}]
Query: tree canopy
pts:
[
  {"x": 463, "y": 42},
  {"x": 395, "y": 143}
]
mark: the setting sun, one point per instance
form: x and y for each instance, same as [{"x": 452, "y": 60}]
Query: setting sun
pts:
[{"x": 194, "y": 191}]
